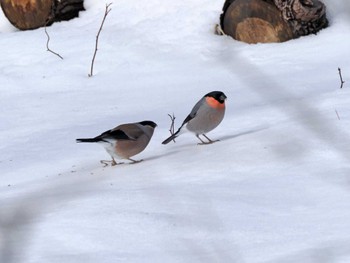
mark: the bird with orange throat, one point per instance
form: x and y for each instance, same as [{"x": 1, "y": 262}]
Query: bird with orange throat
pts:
[{"x": 205, "y": 116}]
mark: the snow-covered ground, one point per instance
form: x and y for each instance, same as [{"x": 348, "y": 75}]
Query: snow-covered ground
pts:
[{"x": 275, "y": 188}]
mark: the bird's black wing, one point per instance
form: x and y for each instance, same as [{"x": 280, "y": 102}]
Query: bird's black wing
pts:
[{"x": 115, "y": 134}]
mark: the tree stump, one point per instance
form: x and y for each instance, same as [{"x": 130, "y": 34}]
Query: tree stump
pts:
[
  {"x": 32, "y": 14},
  {"x": 254, "y": 21}
]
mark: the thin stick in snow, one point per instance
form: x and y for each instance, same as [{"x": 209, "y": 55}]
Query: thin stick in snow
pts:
[
  {"x": 172, "y": 126},
  {"x": 336, "y": 112},
  {"x": 341, "y": 78},
  {"x": 107, "y": 10},
  {"x": 47, "y": 45}
]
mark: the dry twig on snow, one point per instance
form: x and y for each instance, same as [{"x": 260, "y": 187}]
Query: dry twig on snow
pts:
[
  {"x": 172, "y": 126},
  {"x": 341, "y": 78},
  {"x": 107, "y": 10},
  {"x": 48, "y": 41},
  {"x": 336, "y": 112}
]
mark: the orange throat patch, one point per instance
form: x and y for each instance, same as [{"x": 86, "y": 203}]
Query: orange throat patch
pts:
[{"x": 214, "y": 103}]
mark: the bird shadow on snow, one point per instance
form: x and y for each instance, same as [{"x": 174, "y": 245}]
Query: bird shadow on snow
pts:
[
  {"x": 182, "y": 146},
  {"x": 168, "y": 153},
  {"x": 228, "y": 137}
]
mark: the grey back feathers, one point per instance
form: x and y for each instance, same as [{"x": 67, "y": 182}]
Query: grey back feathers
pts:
[
  {"x": 129, "y": 131},
  {"x": 193, "y": 111}
]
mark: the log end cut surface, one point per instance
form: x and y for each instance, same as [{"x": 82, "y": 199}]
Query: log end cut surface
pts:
[
  {"x": 27, "y": 14},
  {"x": 255, "y": 21}
]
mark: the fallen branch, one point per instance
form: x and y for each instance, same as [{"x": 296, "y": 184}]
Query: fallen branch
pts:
[
  {"x": 341, "y": 78},
  {"x": 219, "y": 31},
  {"x": 107, "y": 10},
  {"x": 48, "y": 41},
  {"x": 172, "y": 126},
  {"x": 337, "y": 114}
]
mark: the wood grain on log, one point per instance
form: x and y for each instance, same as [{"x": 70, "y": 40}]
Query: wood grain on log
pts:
[
  {"x": 32, "y": 14},
  {"x": 27, "y": 14},
  {"x": 254, "y": 21}
]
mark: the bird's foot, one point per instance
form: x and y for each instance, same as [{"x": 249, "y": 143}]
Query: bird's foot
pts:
[
  {"x": 111, "y": 162},
  {"x": 134, "y": 161},
  {"x": 208, "y": 142}
]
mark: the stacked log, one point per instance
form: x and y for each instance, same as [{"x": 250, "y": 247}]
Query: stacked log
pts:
[
  {"x": 254, "y": 21},
  {"x": 32, "y": 14}
]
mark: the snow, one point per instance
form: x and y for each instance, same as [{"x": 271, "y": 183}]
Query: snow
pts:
[{"x": 274, "y": 189}]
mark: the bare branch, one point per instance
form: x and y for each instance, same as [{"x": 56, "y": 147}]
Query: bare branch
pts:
[
  {"x": 48, "y": 41},
  {"x": 341, "y": 78},
  {"x": 172, "y": 126},
  {"x": 219, "y": 31},
  {"x": 107, "y": 10},
  {"x": 337, "y": 114}
]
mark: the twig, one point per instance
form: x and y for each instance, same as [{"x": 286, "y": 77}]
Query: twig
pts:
[
  {"x": 47, "y": 43},
  {"x": 107, "y": 10},
  {"x": 219, "y": 31},
  {"x": 337, "y": 114},
  {"x": 341, "y": 78},
  {"x": 172, "y": 126}
]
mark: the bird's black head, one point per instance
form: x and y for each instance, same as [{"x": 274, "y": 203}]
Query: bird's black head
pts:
[
  {"x": 148, "y": 123},
  {"x": 218, "y": 95}
]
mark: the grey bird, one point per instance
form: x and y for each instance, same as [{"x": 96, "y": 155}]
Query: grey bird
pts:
[
  {"x": 125, "y": 140},
  {"x": 205, "y": 116}
]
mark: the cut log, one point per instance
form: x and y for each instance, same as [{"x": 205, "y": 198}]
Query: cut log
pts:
[
  {"x": 27, "y": 14},
  {"x": 254, "y": 21},
  {"x": 32, "y": 14}
]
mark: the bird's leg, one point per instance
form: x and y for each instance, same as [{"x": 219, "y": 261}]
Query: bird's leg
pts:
[
  {"x": 134, "y": 161},
  {"x": 202, "y": 142},
  {"x": 209, "y": 140},
  {"x": 113, "y": 162}
]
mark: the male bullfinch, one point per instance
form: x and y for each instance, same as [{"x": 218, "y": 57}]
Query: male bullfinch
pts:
[{"x": 205, "y": 116}]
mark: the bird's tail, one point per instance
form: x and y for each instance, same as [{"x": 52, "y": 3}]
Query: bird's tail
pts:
[
  {"x": 88, "y": 140},
  {"x": 172, "y": 137}
]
